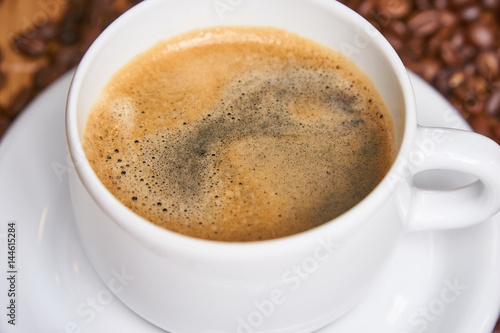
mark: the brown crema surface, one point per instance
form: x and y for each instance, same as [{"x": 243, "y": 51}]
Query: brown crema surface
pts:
[{"x": 239, "y": 134}]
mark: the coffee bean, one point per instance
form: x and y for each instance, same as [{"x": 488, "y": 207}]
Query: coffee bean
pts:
[
  {"x": 398, "y": 27},
  {"x": 458, "y": 39},
  {"x": 456, "y": 79},
  {"x": 470, "y": 13},
  {"x": 447, "y": 18},
  {"x": 473, "y": 105},
  {"x": 33, "y": 43},
  {"x": 469, "y": 69},
  {"x": 68, "y": 33},
  {"x": 450, "y": 54},
  {"x": 441, "y": 4},
  {"x": 492, "y": 107},
  {"x": 395, "y": 8},
  {"x": 482, "y": 35},
  {"x": 76, "y": 12},
  {"x": 60, "y": 42},
  {"x": 31, "y": 47},
  {"x": 424, "y": 23},
  {"x": 427, "y": 68},
  {"x": 468, "y": 51},
  {"x": 74, "y": 15},
  {"x": 366, "y": 8},
  {"x": 489, "y": 18},
  {"x": 477, "y": 87},
  {"x": 416, "y": 46},
  {"x": 442, "y": 79},
  {"x": 48, "y": 31},
  {"x": 457, "y": 50},
  {"x": 488, "y": 65},
  {"x": 491, "y": 3},
  {"x": 434, "y": 44},
  {"x": 461, "y": 92}
]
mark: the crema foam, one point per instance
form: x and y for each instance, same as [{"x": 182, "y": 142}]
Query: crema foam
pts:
[{"x": 239, "y": 134}]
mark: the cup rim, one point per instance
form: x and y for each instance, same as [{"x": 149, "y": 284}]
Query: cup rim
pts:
[{"x": 158, "y": 238}]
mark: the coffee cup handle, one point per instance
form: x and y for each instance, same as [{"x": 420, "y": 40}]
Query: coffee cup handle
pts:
[{"x": 461, "y": 151}]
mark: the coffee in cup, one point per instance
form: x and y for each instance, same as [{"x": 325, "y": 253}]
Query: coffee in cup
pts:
[{"x": 240, "y": 134}]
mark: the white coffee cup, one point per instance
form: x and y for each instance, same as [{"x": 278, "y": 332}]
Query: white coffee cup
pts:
[{"x": 293, "y": 284}]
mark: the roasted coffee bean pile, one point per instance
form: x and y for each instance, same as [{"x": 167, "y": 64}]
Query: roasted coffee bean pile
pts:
[
  {"x": 61, "y": 44},
  {"x": 452, "y": 44}
]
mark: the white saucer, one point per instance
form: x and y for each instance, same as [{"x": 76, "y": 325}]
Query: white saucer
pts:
[{"x": 437, "y": 282}]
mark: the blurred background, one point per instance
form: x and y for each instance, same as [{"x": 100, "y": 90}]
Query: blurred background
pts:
[{"x": 452, "y": 44}]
